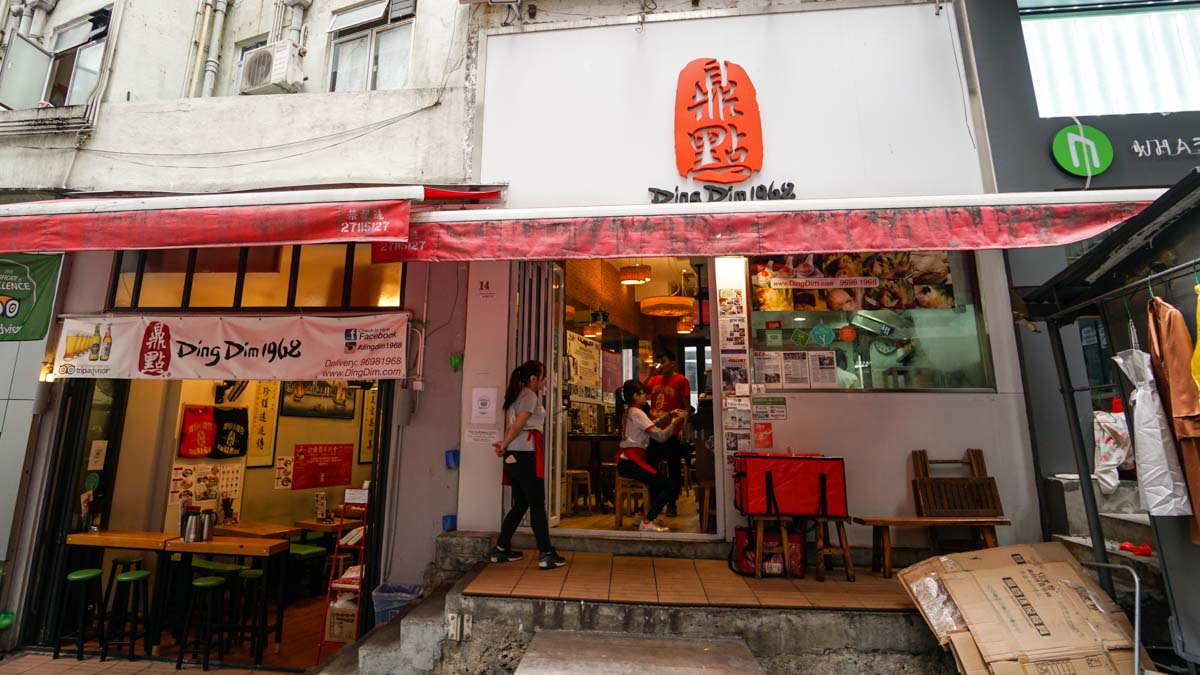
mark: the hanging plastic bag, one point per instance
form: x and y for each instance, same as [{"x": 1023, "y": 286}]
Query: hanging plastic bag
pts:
[
  {"x": 1160, "y": 479},
  {"x": 1113, "y": 450}
]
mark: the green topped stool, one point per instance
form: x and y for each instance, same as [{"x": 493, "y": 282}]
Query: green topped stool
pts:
[
  {"x": 251, "y": 614},
  {"x": 208, "y": 595},
  {"x": 131, "y": 608},
  {"x": 85, "y": 585},
  {"x": 119, "y": 566},
  {"x": 311, "y": 561}
]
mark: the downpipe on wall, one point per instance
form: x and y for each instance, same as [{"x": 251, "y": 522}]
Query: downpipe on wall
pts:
[
  {"x": 198, "y": 66},
  {"x": 296, "y": 25},
  {"x": 214, "y": 48}
]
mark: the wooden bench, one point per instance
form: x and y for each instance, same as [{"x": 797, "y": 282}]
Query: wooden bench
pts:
[{"x": 881, "y": 531}]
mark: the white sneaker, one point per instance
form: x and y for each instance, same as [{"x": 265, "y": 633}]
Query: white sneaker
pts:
[{"x": 649, "y": 526}]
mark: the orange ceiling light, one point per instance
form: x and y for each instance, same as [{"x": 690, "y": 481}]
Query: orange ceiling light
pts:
[
  {"x": 634, "y": 275},
  {"x": 685, "y": 326},
  {"x": 668, "y": 305}
]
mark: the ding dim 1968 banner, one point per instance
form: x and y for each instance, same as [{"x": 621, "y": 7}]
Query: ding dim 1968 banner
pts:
[{"x": 234, "y": 348}]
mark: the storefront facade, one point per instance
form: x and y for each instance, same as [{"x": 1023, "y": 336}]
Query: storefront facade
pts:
[{"x": 889, "y": 121}]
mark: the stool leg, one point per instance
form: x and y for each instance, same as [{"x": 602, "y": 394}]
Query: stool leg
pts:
[
  {"x": 618, "y": 507},
  {"x": 876, "y": 548},
  {"x": 886, "y": 544},
  {"x": 846, "y": 560},
  {"x": 822, "y": 533},
  {"x": 989, "y": 537},
  {"x": 758, "y": 548},
  {"x": 83, "y": 603},
  {"x": 787, "y": 549}
]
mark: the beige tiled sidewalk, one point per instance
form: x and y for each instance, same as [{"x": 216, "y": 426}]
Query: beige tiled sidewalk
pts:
[
  {"x": 36, "y": 664},
  {"x": 679, "y": 581}
]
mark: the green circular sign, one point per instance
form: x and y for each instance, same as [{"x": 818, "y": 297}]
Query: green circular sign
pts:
[
  {"x": 822, "y": 335},
  {"x": 1081, "y": 150},
  {"x": 92, "y": 481}
]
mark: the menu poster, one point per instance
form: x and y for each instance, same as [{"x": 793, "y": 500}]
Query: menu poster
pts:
[
  {"x": 735, "y": 375},
  {"x": 795, "y": 370},
  {"x": 770, "y": 409},
  {"x": 731, "y": 302},
  {"x": 737, "y": 441},
  {"x": 849, "y": 282},
  {"x": 366, "y": 432},
  {"x": 283, "y": 473},
  {"x": 736, "y": 419},
  {"x": 321, "y": 465},
  {"x": 195, "y": 482},
  {"x": 768, "y": 369},
  {"x": 733, "y": 334},
  {"x": 610, "y": 373},
  {"x": 764, "y": 435},
  {"x": 823, "y": 369},
  {"x": 261, "y": 449}
]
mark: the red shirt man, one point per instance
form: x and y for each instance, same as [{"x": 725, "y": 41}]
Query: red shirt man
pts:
[{"x": 669, "y": 390}]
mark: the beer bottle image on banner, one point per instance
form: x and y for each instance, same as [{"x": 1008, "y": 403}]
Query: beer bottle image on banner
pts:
[
  {"x": 106, "y": 345},
  {"x": 94, "y": 352}
]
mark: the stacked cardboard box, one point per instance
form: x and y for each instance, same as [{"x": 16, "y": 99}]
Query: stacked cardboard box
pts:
[{"x": 1021, "y": 610}]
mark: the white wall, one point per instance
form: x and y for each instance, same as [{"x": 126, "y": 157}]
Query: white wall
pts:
[
  {"x": 852, "y": 101},
  {"x": 264, "y": 141}
]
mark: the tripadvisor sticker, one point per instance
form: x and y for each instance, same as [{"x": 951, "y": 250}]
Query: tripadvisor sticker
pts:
[
  {"x": 27, "y": 285},
  {"x": 1082, "y": 150}
]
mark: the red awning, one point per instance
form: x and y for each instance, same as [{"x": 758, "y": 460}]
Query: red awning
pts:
[
  {"x": 972, "y": 222},
  {"x": 377, "y": 214}
]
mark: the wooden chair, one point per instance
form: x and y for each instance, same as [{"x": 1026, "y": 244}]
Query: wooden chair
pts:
[
  {"x": 576, "y": 480},
  {"x": 706, "y": 502},
  {"x": 824, "y": 548},
  {"x": 625, "y": 501},
  {"x": 972, "y": 496}
]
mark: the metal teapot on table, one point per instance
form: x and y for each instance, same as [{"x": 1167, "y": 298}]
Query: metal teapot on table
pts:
[{"x": 198, "y": 526}]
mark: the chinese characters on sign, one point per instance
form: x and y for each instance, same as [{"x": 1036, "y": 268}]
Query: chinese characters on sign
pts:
[
  {"x": 1166, "y": 148},
  {"x": 262, "y": 425},
  {"x": 322, "y": 465},
  {"x": 718, "y": 131}
]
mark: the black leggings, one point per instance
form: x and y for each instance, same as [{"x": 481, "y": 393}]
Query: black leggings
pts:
[
  {"x": 528, "y": 494},
  {"x": 662, "y": 490}
]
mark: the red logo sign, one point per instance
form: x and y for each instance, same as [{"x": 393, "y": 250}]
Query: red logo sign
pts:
[
  {"x": 718, "y": 130},
  {"x": 847, "y": 334},
  {"x": 155, "y": 356}
]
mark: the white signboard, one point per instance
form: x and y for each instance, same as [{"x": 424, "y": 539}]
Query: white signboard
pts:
[{"x": 234, "y": 348}]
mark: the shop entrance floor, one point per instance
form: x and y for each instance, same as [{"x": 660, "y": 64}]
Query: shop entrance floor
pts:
[{"x": 604, "y": 577}]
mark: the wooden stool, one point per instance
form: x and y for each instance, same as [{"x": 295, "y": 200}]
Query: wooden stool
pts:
[
  {"x": 824, "y": 550},
  {"x": 706, "y": 498},
  {"x": 760, "y": 523},
  {"x": 629, "y": 489},
  {"x": 579, "y": 479}
]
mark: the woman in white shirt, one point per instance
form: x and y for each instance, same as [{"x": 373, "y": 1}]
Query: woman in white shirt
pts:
[
  {"x": 522, "y": 449},
  {"x": 639, "y": 429}
]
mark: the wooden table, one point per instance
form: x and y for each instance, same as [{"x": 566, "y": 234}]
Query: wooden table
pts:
[
  {"x": 881, "y": 531},
  {"x": 274, "y": 554},
  {"x": 137, "y": 541},
  {"x": 335, "y": 525},
  {"x": 257, "y": 528}
]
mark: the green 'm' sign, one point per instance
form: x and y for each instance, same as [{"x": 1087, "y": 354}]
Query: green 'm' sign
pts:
[
  {"x": 27, "y": 284},
  {"x": 1082, "y": 151}
]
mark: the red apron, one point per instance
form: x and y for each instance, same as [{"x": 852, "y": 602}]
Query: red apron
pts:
[
  {"x": 637, "y": 456},
  {"x": 539, "y": 449}
]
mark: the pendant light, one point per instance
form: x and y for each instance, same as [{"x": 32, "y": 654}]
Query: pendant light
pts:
[
  {"x": 679, "y": 304},
  {"x": 635, "y": 275},
  {"x": 685, "y": 326}
]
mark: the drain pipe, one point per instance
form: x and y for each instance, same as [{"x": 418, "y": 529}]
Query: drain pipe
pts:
[
  {"x": 214, "y": 49},
  {"x": 198, "y": 66},
  {"x": 193, "y": 48},
  {"x": 41, "y": 12},
  {"x": 297, "y": 22},
  {"x": 26, "y": 15}
]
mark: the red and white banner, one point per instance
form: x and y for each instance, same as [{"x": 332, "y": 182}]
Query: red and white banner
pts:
[
  {"x": 531, "y": 236},
  {"x": 234, "y": 347}
]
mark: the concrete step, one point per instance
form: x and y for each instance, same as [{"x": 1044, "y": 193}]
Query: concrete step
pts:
[
  {"x": 1131, "y": 527},
  {"x": 781, "y": 640},
  {"x": 1149, "y": 568},
  {"x": 554, "y": 652},
  {"x": 410, "y": 643}
]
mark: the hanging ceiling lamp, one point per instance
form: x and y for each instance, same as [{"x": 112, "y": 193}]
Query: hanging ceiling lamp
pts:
[
  {"x": 679, "y": 303},
  {"x": 593, "y": 330},
  {"x": 685, "y": 325},
  {"x": 634, "y": 275}
]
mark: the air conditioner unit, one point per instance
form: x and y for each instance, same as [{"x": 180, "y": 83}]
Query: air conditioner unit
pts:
[{"x": 271, "y": 69}]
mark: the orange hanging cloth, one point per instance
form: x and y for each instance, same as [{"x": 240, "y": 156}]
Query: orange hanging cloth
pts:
[{"x": 1172, "y": 354}]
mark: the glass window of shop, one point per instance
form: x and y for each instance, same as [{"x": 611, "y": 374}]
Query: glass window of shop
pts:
[
  {"x": 330, "y": 276},
  {"x": 891, "y": 321}
]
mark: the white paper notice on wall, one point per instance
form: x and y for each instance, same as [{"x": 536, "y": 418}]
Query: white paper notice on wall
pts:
[
  {"x": 483, "y": 405},
  {"x": 356, "y": 496},
  {"x": 481, "y": 436},
  {"x": 97, "y": 455}
]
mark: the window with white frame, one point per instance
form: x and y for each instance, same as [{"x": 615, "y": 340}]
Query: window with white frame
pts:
[
  {"x": 63, "y": 75},
  {"x": 1112, "y": 61},
  {"x": 371, "y": 48}
]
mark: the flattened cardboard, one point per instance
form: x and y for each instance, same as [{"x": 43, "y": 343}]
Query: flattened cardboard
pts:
[{"x": 966, "y": 654}]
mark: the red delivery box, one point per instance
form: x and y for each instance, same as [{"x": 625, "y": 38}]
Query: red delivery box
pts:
[{"x": 789, "y": 484}]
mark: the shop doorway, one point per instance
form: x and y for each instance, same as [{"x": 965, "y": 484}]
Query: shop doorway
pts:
[
  {"x": 129, "y": 456},
  {"x": 595, "y": 328}
]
